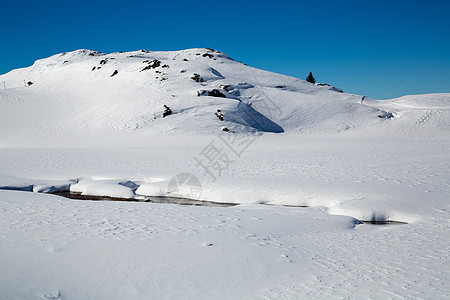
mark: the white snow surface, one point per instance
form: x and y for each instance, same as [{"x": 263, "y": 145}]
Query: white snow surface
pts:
[{"x": 290, "y": 143}]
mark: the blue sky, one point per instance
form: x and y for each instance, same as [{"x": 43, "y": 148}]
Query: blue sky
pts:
[{"x": 381, "y": 49}]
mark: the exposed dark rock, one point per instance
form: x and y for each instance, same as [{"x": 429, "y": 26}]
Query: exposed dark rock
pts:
[
  {"x": 386, "y": 115},
  {"x": 185, "y": 59},
  {"x": 114, "y": 73},
  {"x": 103, "y": 61},
  {"x": 65, "y": 62},
  {"x": 29, "y": 83},
  {"x": 183, "y": 71},
  {"x": 225, "y": 87},
  {"x": 208, "y": 55},
  {"x": 212, "y": 93},
  {"x": 93, "y": 53},
  {"x": 93, "y": 68},
  {"x": 152, "y": 64},
  {"x": 167, "y": 111},
  {"x": 219, "y": 114},
  {"x": 216, "y": 93},
  {"x": 197, "y": 78},
  {"x": 165, "y": 66},
  {"x": 280, "y": 87},
  {"x": 228, "y": 130},
  {"x": 147, "y": 68}
]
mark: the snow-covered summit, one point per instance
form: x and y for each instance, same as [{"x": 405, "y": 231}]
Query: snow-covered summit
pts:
[{"x": 86, "y": 91}]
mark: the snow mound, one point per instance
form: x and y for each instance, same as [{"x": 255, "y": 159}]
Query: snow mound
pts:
[{"x": 107, "y": 187}]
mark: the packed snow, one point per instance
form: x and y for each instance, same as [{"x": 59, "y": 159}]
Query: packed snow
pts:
[{"x": 306, "y": 164}]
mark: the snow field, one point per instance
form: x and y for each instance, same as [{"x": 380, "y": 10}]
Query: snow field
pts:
[{"x": 110, "y": 250}]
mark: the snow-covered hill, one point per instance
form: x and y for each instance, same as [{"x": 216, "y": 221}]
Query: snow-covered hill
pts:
[
  {"x": 92, "y": 124},
  {"x": 71, "y": 95}
]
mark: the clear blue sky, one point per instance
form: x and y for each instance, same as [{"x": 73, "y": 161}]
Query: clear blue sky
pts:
[{"x": 381, "y": 49}]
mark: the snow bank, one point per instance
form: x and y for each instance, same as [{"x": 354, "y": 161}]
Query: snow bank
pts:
[{"x": 110, "y": 188}]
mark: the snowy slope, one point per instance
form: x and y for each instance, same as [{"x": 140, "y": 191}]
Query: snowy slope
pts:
[
  {"x": 73, "y": 94},
  {"x": 428, "y": 114}
]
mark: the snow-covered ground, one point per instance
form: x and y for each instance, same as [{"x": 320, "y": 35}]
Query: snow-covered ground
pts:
[
  {"x": 55, "y": 248},
  {"x": 290, "y": 143}
]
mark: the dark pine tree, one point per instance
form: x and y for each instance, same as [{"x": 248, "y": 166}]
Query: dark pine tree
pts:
[{"x": 311, "y": 78}]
